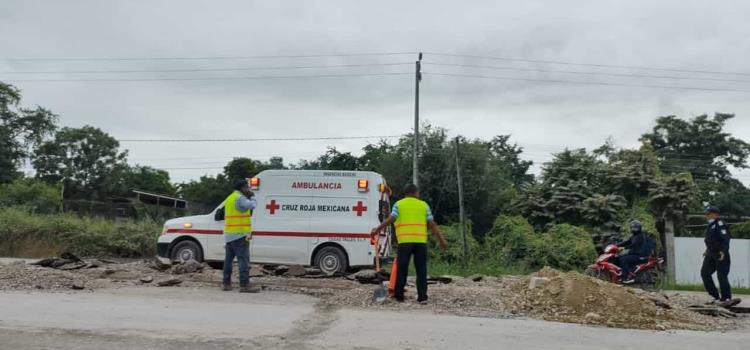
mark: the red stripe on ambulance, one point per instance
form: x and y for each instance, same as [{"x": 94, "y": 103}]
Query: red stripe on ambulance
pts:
[{"x": 276, "y": 234}]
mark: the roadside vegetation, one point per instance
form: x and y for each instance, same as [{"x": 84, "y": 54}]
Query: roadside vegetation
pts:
[{"x": 582, "y": 200}]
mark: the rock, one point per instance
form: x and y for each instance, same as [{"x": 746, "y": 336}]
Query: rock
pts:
[
  {"x": 60, "y": 262},
  {"x": 476, "y": 278},
  {"x": 18, "y": 262},
  {"x": 367, "y": 276},
  {"x": 661, "y": 327},
  {"x": 45, "y": 262},
  {"x": 313, "y": 271},
  {"x": 537, "y": 282},
  {"x": 440, "y": 279},
  {"x": 69, "y": 256},
  {"x": 172, "y": 281},
  {"x": 190, "y": 266},
  {"x": 147, "y": 279},
  {"x": 280, "y": 270},
  {"x": 73, "y": 266},
  {"x": 296, "y": 271},
  {"x": 593, "y": 317},
  {"x": 256, "y": 271},
  {"x": 78, "y": 285},
  {"x": 92, "y": 264},
  {"x": 161, "y": 263}
]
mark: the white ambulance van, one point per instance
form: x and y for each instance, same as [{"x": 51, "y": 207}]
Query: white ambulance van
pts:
[{"x": 318, "y": 218}]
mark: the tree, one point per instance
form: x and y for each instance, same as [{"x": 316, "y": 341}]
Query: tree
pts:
[
  {"x": 145, "y": 178},
  {"x": 21, "y": 129},
  {"x": 331, "y": 160},
  {"x": 30, "y": 193},
  {"x": 699, "y": 146},
  {"x": 509, "y": 155},
  {"x": 87, "y": 160},
  {"x": 243, "y": 168},
  {"x": 208, "y": 190}
]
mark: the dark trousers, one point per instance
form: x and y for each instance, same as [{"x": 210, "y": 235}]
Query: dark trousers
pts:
[
  {"x": 712, "y": 264},
  {"x": 239, "y": 248},
  {"x": 627, "y": 264},
  {"x": 405, "y": 251}
]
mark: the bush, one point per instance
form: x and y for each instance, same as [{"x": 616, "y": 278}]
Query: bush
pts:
[
  {"x": 37, "y": 196},
  {"x": 509, "y": 240},
  {"x": 564, "y": 247},
  {"x": 455, "y": 251},
  {"x": 24, "y": 233},
  {"x": 740, "y": 231}
]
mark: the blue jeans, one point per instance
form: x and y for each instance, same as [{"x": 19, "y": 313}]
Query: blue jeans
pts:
[
  {"x": 627, "y": 264},
  {"x": 239, "y": 248}
]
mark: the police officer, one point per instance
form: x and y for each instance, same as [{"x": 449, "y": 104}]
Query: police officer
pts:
[
  {"x": 411, "y": 217},
  {"x": 238, "y": 226},
  {"x": 716, "y": 258}
]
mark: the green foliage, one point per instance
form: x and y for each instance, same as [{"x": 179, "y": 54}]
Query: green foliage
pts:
[
  {"x": 32, "y": 194},
  {"x": 21, "y": 129},
  {"x": 455, "y": 251},
  {"x": 144, "y": 178},
  {"x": 509, "y": 240},
  {"x": 740, "y": 231},
  {"x": 23, "y": 232},
  {"x": 564, "y": 247},
  {"x": 86, "y": 159}
]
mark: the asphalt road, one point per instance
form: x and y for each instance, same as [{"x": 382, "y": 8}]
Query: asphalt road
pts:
[{"x": 204, "y": 318}]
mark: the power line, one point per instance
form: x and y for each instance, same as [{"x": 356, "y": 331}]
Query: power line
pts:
[
  {"x": 207, "y": 69},
  {"x": 201, "y": 58},
  {"x": 585, "y": 64},
  {"x": 558, "y": 81},
  {"x": 589, "y": 73},
  {"x": 208, "y": 78},
  {"x": 265, "y": 139}
]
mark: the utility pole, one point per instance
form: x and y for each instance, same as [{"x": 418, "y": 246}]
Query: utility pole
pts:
[
  {"x": 417, "y": 80},
  {"x": 461, "y": 204}
]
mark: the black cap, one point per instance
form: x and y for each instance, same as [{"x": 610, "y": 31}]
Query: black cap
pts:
[
  {"x": 714, "y": 210},
  {"x": 239, "y": 184}
]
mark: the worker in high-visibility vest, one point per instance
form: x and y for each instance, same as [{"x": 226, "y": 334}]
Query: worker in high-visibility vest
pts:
[
  {"x": 411, "y": 216},
  {"x": 238, "y": 227}
]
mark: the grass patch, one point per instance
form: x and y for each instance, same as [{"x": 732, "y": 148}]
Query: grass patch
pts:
[
  {"x": 437, "y": 268},
  {"x": 25, "y": 234},
  {"x": 699, "y": 288}
]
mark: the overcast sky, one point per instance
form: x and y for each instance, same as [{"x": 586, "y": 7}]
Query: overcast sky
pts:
[{"x": 543, "y": 117}]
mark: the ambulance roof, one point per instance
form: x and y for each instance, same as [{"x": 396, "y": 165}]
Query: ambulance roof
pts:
[{"x": 320, "y": 173}]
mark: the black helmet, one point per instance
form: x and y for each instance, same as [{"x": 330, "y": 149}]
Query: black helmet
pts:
[
  {"x": 636, "y": 227},
  {"x": 239, "y": 184},
  {"x": 712, "y": 210}
]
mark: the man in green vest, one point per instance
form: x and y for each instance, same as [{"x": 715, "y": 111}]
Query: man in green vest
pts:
[
  {"x": 238, "y": 227},
  {"x": 411, "y": 217}
]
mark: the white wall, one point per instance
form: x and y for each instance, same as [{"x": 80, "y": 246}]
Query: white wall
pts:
[{"x": 689, "y": 258}]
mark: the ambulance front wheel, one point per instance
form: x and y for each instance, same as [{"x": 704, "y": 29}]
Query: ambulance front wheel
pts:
[
  {"x": 186, "y": 250},
  {"x": 331, "y": 260}
]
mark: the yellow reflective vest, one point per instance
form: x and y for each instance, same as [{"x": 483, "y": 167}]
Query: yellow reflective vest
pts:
[
  {"x": 236, "y": 222},
  {"x": 411, "y": 223}
]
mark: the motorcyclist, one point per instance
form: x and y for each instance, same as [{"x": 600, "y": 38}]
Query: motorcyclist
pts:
[{"x": 637, "y": 246}]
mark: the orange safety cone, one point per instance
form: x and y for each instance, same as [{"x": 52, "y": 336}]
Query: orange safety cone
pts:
[{"x": 392, "y": 279}]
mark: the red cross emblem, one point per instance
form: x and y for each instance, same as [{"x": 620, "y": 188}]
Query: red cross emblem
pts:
[
  {"x": 359, "y": 208},
  {"x": 272, "y": 206}
]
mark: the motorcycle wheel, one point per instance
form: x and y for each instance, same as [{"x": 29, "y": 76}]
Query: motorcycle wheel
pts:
[{"x": 649, "y": 279}]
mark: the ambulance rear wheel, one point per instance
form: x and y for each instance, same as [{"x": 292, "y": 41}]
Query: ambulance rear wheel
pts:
[
  {"x": 331, "y": 260},
  {"x": 186, "y": 250}
]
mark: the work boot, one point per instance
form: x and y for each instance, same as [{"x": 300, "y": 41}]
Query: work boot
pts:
[
  {"x": 226, "y": 287},
  {"x": 246, "y": 288}
]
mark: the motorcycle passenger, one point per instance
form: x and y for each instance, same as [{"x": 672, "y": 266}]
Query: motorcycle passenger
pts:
[{"x": 638, "y": 248}]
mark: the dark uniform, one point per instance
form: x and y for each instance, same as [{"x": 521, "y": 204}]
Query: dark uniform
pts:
[{"x": 717, "y": 242}]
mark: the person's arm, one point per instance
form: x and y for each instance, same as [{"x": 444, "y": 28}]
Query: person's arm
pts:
[
  {"x": 244, "y": 203},
  {"x": 436, "y": 231},
  {"x": 387, "y": 222},
  {"x": 724, "y": 235}
]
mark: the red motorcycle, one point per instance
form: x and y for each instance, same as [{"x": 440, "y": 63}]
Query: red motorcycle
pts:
[{"x": 648, "y": 271}]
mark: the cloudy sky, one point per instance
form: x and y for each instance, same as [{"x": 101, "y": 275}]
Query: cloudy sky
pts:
[{"x": 217, "y": 43}]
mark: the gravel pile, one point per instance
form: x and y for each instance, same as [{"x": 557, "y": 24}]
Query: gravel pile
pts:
[{"x": 576, "y": 298}]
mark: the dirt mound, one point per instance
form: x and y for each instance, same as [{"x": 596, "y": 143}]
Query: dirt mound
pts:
[{"x": 573, "y": 297}]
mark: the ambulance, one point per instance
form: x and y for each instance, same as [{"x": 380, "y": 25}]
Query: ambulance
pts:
[{"x": 319, "y": 218}]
